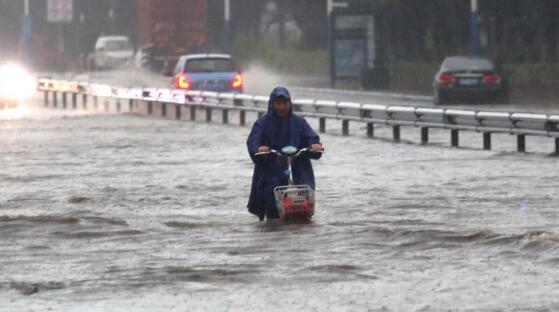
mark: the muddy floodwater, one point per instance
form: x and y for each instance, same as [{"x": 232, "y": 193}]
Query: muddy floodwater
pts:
[{"x": 106, "y": 212}]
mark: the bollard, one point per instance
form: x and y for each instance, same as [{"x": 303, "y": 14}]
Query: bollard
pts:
[
  {"x": 84, "y": 101},
  {"x": 192, "y": 113},
  {"x": 370, "y": 129},
  {"x": 74, "y": 100},
  {"x": 521, "y": 143},
  {"x": 163, "y": 109},
  {"x": 46, "y": 98},
  {"x": 322, "y": 125},
  {"x": 64, "y": 100},
  {"x": 225, "y": 116},
  {"x": 424, "y": 135},
  {"x": 177, "y": 111},
  {"x": 208, "y": 114},
  {"x": 118, "y": 105},
  {"x": 242, "y": 117},
  {"x": 487, "y": 141},
  {"x": 345, "y": 127},
  {"x": 54, "y": 99},
  {"x": 396, "y": 133},
  {"x": 454, "y": 137},
  {"x": 150, "y": 108}
]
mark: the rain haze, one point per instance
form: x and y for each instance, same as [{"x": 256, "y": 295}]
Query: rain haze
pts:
[{"x": 149, "y": 161}]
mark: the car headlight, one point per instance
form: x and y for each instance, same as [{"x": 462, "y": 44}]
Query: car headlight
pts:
[{"x": 15, "y": 82}]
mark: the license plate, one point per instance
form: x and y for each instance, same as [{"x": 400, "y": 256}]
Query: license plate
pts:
[{"x": 468, "y": 81}]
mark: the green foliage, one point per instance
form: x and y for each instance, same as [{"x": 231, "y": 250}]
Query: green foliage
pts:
[
  {"x": 417, "y": 77},
  {"x": 292, "y": 60},
  {"x": 544, "y": 75}
]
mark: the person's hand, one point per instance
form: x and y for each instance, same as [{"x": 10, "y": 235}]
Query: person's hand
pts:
[
  {"x": 263, "y": 149},
  {"x": 316, "y": 148}
]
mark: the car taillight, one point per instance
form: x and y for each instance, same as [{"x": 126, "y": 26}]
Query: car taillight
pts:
[
  {"x": 491, "y": 79},
  {"x": 237, "y": 82},
  {"x": 183, "y": 82},
  {"x": 446, "y": 78}
]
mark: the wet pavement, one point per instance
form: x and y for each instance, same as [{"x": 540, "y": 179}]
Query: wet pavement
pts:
[{"x": 102, "y": 212}]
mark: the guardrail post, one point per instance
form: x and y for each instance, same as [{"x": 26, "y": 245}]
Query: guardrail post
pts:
[
  {"x": 424, "y": 135},
  {"x": 370, "y": 129},
  {"x": 454, "y": 137},
  {"x": 84, "y": 101},
  {"x": 130, "y": 105},
  {"x": 322, "y": 125},
  {"x": 487, "y": 141},
  {"x": 208, "y": 114},
  {"x": 192, "y": 112},
  {"x": 54, "y": 99},
  {"x": 225, "y": 116},
  {"x": 64, "y": 100},
  {"x": 242, "y": 117},
  {"x": 521, "y": 143},
  {"x": 396, "y": 133},
  {"x": 163, "y": 109},
  {"x": 95, "y": 102},
  {"x": 46, "y": 98},
  {"x": 150, "y": 107},
  {"x": 177, "y": 111},
  {"x": 345, "y": 127},
  {"x": 74, "y": 100},
  {"x": 118, "y": 105},
  {"x": 106, "y": 104}
]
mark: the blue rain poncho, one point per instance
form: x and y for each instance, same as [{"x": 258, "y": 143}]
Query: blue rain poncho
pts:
[{"x": 269, "y": 171}]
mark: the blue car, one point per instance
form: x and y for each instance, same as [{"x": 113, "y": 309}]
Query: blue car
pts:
[{"x": 207, "y": 72}]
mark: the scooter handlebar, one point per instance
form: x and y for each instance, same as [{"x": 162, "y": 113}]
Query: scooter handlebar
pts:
[
  {"x": 299, "y": 152},
  {"x": 272, "y": 151}
]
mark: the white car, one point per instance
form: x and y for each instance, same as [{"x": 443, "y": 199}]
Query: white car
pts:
[{"x": 113, "y": 51}]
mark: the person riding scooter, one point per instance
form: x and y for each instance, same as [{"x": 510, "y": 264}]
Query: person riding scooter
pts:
[{"x": 275, "y": 130}]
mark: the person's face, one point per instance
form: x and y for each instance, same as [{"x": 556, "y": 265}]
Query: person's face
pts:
[{"x": 282, "y": 106}]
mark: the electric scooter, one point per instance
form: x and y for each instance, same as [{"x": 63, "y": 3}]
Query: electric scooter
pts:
[{"x": 293, "y": 201}]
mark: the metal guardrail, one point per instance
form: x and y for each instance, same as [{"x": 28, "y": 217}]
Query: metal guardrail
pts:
[{"x": 144, "y": 100}]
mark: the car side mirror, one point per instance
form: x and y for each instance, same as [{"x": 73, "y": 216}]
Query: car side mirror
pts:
[
  {"x": 167, "y": 69},
  {"x": 167, "y": 72}
]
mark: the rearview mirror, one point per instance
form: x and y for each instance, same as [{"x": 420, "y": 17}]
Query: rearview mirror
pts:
[
  {"x": 167, "y": 69},
  {"x": 167, "y": 72}
]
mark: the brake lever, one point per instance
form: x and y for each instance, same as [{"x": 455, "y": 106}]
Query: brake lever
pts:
[{"x": 266, "y": 153}]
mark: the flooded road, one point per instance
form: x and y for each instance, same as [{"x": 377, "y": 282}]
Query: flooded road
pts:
[{"x": 106, "y": 212}]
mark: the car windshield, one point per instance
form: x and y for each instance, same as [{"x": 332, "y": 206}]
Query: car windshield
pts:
[
  {"x": 463, "y": 63},
  {"x": 118, "y": 45},
  {"x": 209, "y": 65}
]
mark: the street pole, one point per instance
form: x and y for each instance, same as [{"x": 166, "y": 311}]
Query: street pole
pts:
[
  {"x": 227, "y": 26},
  {"x": 26, "y": 32},
  {"x": 329, "y": 9},
  {"x": 474, "y": 27}
]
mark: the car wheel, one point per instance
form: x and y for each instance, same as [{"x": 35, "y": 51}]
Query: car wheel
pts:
[
  {"x": 440, "y": 98},
  {"x": 503, "y": 97}
]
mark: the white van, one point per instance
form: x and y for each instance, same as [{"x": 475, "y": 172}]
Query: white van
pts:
[{"x": 113, "y": 51}]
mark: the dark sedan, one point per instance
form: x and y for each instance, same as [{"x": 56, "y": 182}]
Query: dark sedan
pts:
[{"x": 469, "y": 78}]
